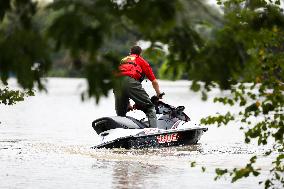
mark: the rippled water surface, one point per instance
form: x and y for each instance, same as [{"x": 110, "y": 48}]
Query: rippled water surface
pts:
[{"x": 45, "y": 143}]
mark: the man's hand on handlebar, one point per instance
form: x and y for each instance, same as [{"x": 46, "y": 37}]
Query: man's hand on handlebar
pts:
[
  {"x": 160, "y": 96},
  {"x": 154, "y": 100}
]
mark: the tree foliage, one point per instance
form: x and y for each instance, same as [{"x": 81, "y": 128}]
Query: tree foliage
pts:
[
  {"x": 240, "y": 50},
  {"x": 10, "y": 97},
  {"x": 24, "y": 50},
  {"x": 255, "y": 78}
]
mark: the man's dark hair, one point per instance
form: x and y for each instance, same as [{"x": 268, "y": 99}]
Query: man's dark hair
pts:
[{"x": 135, "y": 50}]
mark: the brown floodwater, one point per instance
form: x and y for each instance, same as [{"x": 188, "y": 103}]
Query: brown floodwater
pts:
[{"x": 45, "y": 143}]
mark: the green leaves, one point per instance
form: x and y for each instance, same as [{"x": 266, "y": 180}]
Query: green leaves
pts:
[
  {"x": 251, "y": 108},
  {"x": 220, "y": 173},
  {"x": 243, "y": 53},
  {"x": 4, "y": 7},
  {"x": 152, "y": 18},
  {"x": 101, "y": 76},
  {"x": 237, "y": 174},
  {"x": 220, "y": 119},
  {"x": 224, "y": 101},
  {"x": 256, "y": 63},
  {"x": 11, "y": 97},
  {"x": 24, "y": 51},
  {"x": 267, "y": 107},
  {"x": 77, "y": 26},
  {"x": 247, "y": 170},
  {"x": 193, "y": 164}
]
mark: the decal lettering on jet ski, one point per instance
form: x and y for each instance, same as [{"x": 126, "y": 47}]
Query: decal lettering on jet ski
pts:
[
  {"x": 150, "y": 130},
  {"x": 167, "y": 138}
]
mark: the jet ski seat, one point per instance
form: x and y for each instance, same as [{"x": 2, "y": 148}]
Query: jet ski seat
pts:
[{"x": 107, "y": 123}]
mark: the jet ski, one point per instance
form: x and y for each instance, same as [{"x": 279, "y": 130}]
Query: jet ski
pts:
[{"x": 173, "y": 129}]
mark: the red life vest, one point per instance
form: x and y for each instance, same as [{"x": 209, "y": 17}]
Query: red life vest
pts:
[{"x": 129, "y": 68}]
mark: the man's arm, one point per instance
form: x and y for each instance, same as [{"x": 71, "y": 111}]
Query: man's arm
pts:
[
  {"x": 150, "y": 75},
  {"x": 156, "y": 86}
]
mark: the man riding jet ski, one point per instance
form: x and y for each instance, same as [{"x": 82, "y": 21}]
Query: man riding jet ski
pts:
[
  {"x": 173, "y": 129},
  {"x": 131, "y": 72},
  {"x": 121, "y": 131}
]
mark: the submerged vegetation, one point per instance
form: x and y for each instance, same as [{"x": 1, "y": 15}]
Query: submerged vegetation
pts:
[{"x": 237, "y": 47}]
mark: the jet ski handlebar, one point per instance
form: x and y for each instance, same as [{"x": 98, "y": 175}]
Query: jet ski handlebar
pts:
[
  {"x": 155, "y": 99},
  {"x": 161, "y": 95},
  {"x": 163, "y": 108}
]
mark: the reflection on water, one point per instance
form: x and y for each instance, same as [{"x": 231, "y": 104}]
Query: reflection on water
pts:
[
  {"x": 133, "y": 175},
  {"x": 45, "y": 143}
]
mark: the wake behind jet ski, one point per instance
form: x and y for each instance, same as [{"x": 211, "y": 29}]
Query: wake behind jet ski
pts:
[{"x": 173, "y": 129}]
